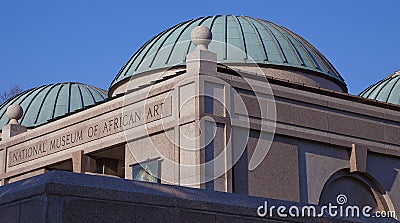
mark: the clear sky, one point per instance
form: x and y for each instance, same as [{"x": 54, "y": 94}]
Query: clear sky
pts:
[{"x": 88, "y": 41}]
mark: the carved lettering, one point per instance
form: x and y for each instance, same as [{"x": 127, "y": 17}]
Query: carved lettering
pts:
[{"x": 95, "y": 130}]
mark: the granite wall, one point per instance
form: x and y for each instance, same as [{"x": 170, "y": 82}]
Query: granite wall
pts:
[{"x": 59, "y": 196}]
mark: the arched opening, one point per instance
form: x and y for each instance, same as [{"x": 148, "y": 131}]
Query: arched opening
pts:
[{"x": 359, "y": 189}]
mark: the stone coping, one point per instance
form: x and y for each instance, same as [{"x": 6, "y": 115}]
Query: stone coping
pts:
[{"x": 107, "y": 189}]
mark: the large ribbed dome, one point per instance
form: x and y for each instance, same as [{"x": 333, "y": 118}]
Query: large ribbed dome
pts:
[
  {"x": 256, "y": 40},
  {"x": 386, "y": 90},
  {"x": 47, "y": 102}
]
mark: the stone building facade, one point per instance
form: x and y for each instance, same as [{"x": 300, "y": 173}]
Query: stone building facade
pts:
[{"x": 237, "y": 105}]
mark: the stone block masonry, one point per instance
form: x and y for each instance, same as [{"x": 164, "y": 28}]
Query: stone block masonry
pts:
[{"x": 70, "y": 197}]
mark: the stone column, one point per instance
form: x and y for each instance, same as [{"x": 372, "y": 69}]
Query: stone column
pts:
[
  {"x": 82, "y": 163},
  {"x": 191, "y": 103},
  {"x": 14, "y": 113}
]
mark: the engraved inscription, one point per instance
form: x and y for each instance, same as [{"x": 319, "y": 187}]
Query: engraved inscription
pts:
[{"x": 97, "y": 129}]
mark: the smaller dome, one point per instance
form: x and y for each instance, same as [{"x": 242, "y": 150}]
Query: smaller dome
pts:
[
  {"x": 386, "y": 90},
  {"x": 47, "y": 102}
]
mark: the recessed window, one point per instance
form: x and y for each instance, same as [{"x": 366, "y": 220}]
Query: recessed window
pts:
[{"x": 147, "y": 171}]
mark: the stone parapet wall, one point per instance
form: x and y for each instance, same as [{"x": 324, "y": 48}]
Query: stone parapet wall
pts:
[{"x": 69, "y": 197}]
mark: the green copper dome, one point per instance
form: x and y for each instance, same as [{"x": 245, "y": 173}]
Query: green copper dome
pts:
[
  {"x": 386, "y": 90},
  {"x": 48, "y": 102},
  {"x": 236, "y": 40}
]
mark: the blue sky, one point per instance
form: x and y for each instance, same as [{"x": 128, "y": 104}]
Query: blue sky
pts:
[{"x": 88, "y": 41}]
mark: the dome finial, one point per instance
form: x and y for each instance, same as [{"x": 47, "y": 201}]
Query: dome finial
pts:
[
  {"x": 201, "y": 36},
  {"x": 14, "y": 113}
]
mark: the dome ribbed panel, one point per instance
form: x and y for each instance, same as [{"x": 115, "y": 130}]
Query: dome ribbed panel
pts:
[
  {"x": 386, "y": 90},
  {"x": 236, "y": 39},
  {"x": 42, "y": 104}
]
